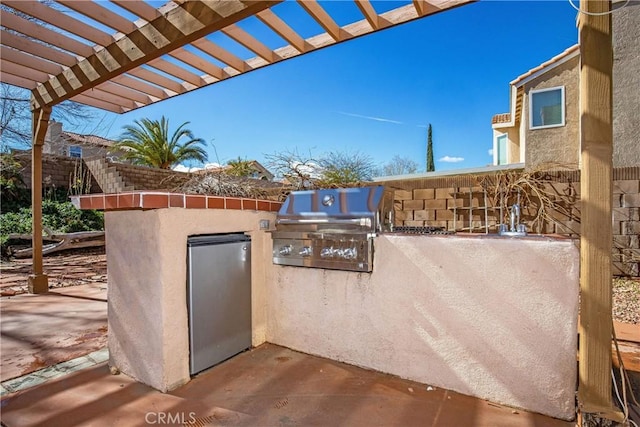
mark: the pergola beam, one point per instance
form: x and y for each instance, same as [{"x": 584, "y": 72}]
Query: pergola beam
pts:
[
  {"x": 157, "y": 79},
  {"x": 38, "y": 32},
  {"x": 198, "y": 63},
  {"x": 21, "y": 70},
  {"x": 181, "y": 25},
  {"x": 36, "y": 49},
  {"x": 16, "y": 80},
  {"x": 424, "y": 7},
  {"x": 313, "y": 8},
  {"x": 30, "y": 61},
  {"x": 176, "y": 71},
  {"x": 125, "y": 92},
  {"x": 141, "y": 86},
  {"x": 100, "y": 14},
  {"x": 220, "y": 54},
  {"x": 104, "y": 105},
  {"x": 370, "y": 14},
  {"x": 272, "y": 20},
  {"x": 61, "y": 20},
  {"x": 138, "y": 8},
  {"x": 251, "y": 43}
]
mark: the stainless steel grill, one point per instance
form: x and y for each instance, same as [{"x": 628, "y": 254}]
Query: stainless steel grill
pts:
[{"x": 330, "y": 228}]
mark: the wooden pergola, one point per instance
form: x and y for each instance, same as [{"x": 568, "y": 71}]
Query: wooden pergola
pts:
[{"x": 153, "y": 58}]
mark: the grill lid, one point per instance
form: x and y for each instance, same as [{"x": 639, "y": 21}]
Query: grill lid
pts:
[{"x": 336, "y": 206}]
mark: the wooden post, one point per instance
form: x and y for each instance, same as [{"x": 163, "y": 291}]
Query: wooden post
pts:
[
  {"x": 38, "y": 281},
  {"x": 596, "y": 138}
]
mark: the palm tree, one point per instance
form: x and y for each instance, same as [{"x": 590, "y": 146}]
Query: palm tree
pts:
[
  {"x": 240, "y": 167},
  {"x": 148, "y": 143}
]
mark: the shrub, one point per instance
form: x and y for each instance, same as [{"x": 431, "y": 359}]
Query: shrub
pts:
[
  {"x": 12, "y": 188},
  {"x": 60, "y": 217}
]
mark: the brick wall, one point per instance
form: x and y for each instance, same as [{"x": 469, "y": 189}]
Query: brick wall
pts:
[
  {"x": 626, "y": 227},
  {"x": 459, "y": 203},
  {"x": 145, "y": 178},
  {"x": 57, "y": 171}
]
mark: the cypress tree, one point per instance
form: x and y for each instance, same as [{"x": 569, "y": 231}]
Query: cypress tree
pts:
[{"x": 430, "y": 165}]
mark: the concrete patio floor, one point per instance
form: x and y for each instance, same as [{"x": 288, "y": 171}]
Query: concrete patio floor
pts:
[
  {"x": 45, "y": 329},
  {"x": 266, "y": 386}
]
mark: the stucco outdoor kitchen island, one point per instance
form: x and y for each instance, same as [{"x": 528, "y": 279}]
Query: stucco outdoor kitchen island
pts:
[{"x": 492, "y": 317}]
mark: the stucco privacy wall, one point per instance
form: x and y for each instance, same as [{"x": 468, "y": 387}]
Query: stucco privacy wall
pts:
[
  {"x": 494, "y": 317},
  {"x": 147, "y": 303}
]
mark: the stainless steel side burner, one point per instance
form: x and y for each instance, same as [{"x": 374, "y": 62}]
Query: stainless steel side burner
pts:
[{"x": 330, "y": 228}]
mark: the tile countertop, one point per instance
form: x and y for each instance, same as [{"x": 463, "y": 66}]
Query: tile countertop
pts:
[
  {"x": 158, "y": 200},
  {"x": 492, "y": 235}
]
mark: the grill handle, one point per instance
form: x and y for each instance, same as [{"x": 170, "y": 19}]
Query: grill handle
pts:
[{"x": 363, "y": 222}]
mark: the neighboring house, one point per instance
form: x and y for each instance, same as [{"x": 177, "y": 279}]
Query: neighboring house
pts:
[
  {"x": 258, "y": 171},
  {"x": 70, "y": 144},
  {"x": 543, "y": 123}
]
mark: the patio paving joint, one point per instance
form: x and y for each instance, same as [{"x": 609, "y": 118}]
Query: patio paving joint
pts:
[{"x": 51, "y": 372}]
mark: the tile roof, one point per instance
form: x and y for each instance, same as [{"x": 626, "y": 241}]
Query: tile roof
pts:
[
  {"x": 87, "y": 139},
  {"x": 545, "y": 64}
]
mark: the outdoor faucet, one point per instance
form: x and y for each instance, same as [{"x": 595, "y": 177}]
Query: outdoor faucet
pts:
[
  {"x": 515, "y": 217},
  {"x": 515, "y": 228}
]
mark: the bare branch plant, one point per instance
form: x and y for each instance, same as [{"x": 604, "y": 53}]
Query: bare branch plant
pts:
[{"x": 533, "y": 189}]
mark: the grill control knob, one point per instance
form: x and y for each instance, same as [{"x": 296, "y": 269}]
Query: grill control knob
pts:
[
  {"x": 349, "y": 253},
  {"x": 285, "y": 250},
  {"x": 306, "y": 251},
  {"x": 327, "y": 252}
]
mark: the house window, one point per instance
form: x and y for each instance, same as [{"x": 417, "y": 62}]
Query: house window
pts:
[
  {"x": 546, "y": 108},
  {"x": 501, "y": 150},
  {"x": 75, "y": 151}
]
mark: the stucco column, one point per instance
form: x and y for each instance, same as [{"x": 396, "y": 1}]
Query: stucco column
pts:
[{"x": 38, "y": 281}]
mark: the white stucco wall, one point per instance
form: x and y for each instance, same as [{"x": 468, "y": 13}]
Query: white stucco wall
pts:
[
  {"x": 147, "y": 303},
  {"x": 490, "y": 317}
]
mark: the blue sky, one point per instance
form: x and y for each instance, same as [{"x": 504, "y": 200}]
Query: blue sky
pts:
[{"x": 376, "y": 94}]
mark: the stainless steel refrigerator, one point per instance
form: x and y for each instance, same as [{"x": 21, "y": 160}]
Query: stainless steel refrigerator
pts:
[{"x": 219, "y": 298}]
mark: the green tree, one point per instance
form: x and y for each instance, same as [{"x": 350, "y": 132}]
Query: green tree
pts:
[
  {"x": 430, "y": 165},
  {"x": 10, "y": 176},
  {"x": 148, "y": 143},
  {"x": 240, "y": 167},
  {"x": 346, "y": 168}
]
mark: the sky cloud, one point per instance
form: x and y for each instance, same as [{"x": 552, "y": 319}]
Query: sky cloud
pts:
[
  {"x": 183, "y": 168},
  {"x": 490, "y": 151},
  {"x": 377, "y": 119},
  {"x": 449, "y": 159}
]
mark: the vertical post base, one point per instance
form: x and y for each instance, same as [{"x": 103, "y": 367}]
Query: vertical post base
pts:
[{"x": 38, "y": 283}]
